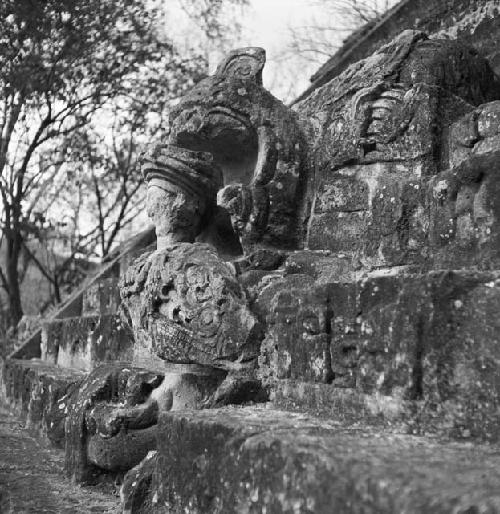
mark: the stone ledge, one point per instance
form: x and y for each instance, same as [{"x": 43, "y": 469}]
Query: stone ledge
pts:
[
  {"x": 459, "y": 419},
  {"x": 260, "y": 460},
  {"x": 86, "y": 341},
  {"x": 31, "y": 389}
]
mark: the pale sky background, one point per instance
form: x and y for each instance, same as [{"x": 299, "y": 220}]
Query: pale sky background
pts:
[
  {"x": 269, "y": 24},
  {"x": 265, "y": 23}
]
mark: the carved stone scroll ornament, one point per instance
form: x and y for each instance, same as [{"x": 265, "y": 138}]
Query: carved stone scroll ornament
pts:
[{"x": 111, "y": 421}]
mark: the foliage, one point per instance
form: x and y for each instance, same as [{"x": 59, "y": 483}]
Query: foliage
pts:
[
  {"x": 322, "y": 35},
  {"x": 65, "y": 65}
]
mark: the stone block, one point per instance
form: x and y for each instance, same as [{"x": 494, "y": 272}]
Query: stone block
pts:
[
  {"x": 322, "y": 265},
  {"x": 345, "y": 331},
  {"x": 260, "y": 460},
  {"x": 397, "y": 229},
  {"x": 406, "y": 321},
  {"x": 462, "y": 200},
  {"x": 84, "y": 342},
  {"x": 429, "y": 338},
  {"x": 346, "y": 405},
  {"x": 380, "y": 219},
  {"x": 338, "y": 231},
  {"x": 393, "y": 314},
  {"x": 33, "y": 390},
  {"x": 464, "y": 214},
  {"x": 342, "y": 194},
  {"x": 101, "y": 298},
  {"x": 137, "y": 492},
  {"x": 460, "y": 361},
  {"x": 298, "y": 320}
]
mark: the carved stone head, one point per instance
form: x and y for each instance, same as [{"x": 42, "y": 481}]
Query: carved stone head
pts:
[
  {"x": 182, "y": 188},
  {"x": 257, "y": 143}
]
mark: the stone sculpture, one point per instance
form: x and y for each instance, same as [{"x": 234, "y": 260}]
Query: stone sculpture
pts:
[
  {"x": 303, "y": 246},
  {"x": 257, "y": 142}
]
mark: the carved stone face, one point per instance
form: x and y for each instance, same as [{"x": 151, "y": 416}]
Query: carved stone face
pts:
[
  {"x": 176, "y": 214},
  {"x": 182, "y": 187}
]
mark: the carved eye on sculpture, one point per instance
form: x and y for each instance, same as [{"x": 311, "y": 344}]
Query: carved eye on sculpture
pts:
[
  {"x": 242, "y": 68},
  {"x": 244, "y": 63}
]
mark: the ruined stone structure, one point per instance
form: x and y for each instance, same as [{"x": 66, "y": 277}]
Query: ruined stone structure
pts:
[{"x": 321, "y": 302}]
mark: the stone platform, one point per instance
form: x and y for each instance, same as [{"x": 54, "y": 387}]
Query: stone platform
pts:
[
  {"x": 255, "y": 460},
  {"x": 261, "y": 459}
]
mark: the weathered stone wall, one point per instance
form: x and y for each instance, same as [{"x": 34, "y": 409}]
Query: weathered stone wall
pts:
[
  {"x": 379, "y": 131},
  {"x": 474, "y": 22},
  {"x": 364, "y": 286}
]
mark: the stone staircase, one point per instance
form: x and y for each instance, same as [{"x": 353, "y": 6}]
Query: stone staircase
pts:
[
  {"x": 314, "y": 448},
  {"x": 265, "y": 460},
  {"x": 359, "y": 375},
  {"x": 79, "y": 335}
]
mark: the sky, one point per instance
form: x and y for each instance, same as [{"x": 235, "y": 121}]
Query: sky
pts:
[
  {"x": 268, "y": 25},
  {"x": 269, "y": 20},
  {"x": 264, "y": 23},
  {"x": 271, "y": 24}
]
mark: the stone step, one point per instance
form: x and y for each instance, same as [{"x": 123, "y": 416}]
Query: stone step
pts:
[
  {"x": 427, "y": 343},
  {"x": 101, "y": 298},
  {"x": 86, "y": 341},
  {"x": 73, "y": 306},
  {"x": 455, "y": 418},
  {"x": 31, "y": 389},
  {"x": 256, "y": 460}
]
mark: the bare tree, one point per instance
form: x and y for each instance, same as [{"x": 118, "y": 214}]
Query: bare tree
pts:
[
  {"x": 65, "y": 175},
  {"x": 324, "y": 33},
  {"x": 321, "y": 33}
]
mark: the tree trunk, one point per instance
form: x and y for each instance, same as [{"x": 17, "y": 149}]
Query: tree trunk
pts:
[
  {"x": 57, "y": 290},
  {"x": 13, "y": 251}
]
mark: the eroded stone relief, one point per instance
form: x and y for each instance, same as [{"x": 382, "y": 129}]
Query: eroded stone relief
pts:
[{"x": 308, "y": 245}]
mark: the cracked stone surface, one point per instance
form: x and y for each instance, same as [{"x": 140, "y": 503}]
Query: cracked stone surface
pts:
[{"x": 256, "y": 460}]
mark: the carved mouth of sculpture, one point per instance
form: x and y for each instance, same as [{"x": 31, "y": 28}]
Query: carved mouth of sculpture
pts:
[
  {"x": 228, "y": 135},
  {"x": 193, "y": 173},
  {"x": 231, "y": 113}
]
